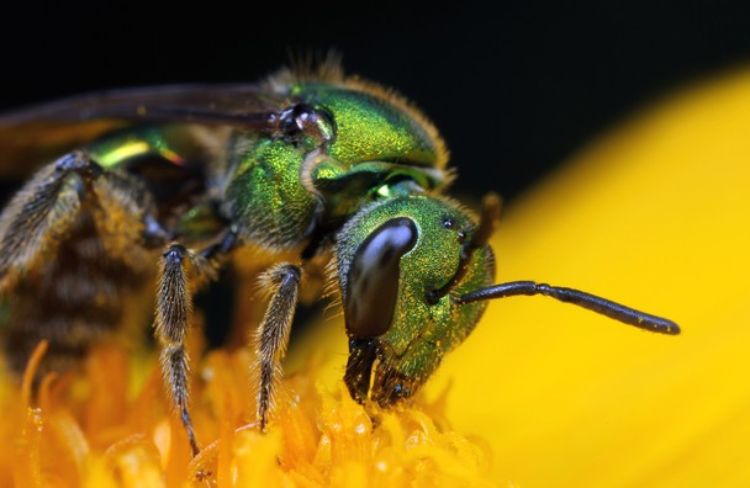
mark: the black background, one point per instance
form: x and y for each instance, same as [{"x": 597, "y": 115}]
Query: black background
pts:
[{"x": 514, "y": 90}]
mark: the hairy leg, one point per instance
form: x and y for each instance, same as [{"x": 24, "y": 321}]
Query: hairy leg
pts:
[
  {"x": 273, "y": 334},
  {"x": 173, "y": 313},
  {"x": 62, "y": 279},
  {"x": 45, "y": 210},
  {"x": 181, "y": 271}
]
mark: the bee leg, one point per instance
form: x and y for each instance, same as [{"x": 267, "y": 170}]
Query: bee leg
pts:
[
  {"x": 273, "y": 334},
  {"x": 38, "y": 216},
  {"x": 44, "y": 211},
  {"x": 174, "y": 307}
]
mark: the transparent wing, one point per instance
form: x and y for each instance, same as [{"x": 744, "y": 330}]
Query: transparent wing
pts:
[{"x": 36, "y": 134}]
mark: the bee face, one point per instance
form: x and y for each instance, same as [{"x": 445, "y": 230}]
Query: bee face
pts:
[{"x": 393, "y": 257}]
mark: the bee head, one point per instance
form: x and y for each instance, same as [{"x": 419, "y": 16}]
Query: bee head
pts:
[{"x": 401, "y": 264}]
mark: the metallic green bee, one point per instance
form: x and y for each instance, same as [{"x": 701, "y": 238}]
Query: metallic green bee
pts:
[{"x": 163, "y": 185}]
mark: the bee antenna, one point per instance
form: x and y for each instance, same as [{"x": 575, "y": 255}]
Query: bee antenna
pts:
[{"x": 594, "y": 303}]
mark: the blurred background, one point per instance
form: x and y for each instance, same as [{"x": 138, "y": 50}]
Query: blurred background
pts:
[
  {"x": 515, "y": 90},
  {"x": 653, "y": 215}
]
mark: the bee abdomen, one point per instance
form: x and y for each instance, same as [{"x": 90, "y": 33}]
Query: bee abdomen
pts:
[{"x": 74, "y": 298}]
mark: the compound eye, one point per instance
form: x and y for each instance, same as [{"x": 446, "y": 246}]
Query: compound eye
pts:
[{"x": 373, "y": 279}]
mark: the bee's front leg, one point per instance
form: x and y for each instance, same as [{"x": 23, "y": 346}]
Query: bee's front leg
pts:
[{"x": 273, "y": 333}]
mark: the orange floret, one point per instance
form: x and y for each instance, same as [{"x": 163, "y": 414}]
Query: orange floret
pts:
[{"x": 110, "y": 425}]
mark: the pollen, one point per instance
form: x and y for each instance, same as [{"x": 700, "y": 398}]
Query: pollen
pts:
[{"x": 110, "y": 424}]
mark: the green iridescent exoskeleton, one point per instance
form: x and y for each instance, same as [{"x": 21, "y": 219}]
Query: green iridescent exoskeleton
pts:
[
  {"x": 281, "y": 187},
  {"x": 326, "y": 174},
  {"x": 393, "y": 134}
]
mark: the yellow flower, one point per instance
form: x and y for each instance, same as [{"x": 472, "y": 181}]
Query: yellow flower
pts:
[
  {"x": 541, "y": 394},
  {"x": 656, "y": 215},
  {"x": 87, "y": 429}
]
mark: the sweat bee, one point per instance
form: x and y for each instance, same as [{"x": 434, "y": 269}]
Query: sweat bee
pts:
[{"x": 157, "y": 188}]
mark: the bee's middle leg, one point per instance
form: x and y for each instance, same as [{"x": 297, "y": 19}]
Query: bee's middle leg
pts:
[
  {"x": 181, "y": 271},
  {"x": 173, "y": 314}
]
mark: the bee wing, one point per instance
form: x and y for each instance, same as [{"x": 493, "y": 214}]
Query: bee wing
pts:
[{"x": 32, "y": 135}]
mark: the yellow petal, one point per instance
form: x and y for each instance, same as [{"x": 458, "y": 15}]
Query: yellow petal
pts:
[{"x": 656, "y": 216}]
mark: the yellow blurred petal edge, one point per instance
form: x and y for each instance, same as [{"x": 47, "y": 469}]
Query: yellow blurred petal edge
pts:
[{"x": 654, "y": 215}]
